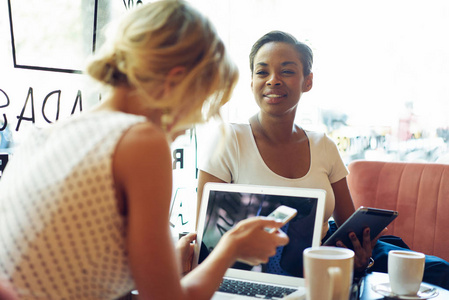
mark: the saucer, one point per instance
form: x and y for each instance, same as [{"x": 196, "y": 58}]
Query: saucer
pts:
[{"x": 425, "y": 292}]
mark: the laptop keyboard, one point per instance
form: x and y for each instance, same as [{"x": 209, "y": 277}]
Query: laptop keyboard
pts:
[{"x": 259, "y": 290}]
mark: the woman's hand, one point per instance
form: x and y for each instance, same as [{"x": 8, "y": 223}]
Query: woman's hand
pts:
[
  {"x": 184, "y": 249},
  {"x": 362, "y": 253},
  {"x": 251, "y": 243}
]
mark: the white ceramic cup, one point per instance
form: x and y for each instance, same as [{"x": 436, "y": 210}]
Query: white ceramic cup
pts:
[
  {"x": 328, "y": 273},
  {"x": 405, "y": 270}
]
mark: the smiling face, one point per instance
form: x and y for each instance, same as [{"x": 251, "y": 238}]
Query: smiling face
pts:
[{"x": 278, "y": 80}]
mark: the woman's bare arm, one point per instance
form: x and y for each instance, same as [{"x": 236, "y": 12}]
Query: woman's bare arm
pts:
[
  {"x": 344, "y": 207},
  {"x": 142, "y": 170}
]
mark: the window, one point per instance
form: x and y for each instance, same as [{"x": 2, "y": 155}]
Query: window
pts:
[{"x": 381, "y": 71}]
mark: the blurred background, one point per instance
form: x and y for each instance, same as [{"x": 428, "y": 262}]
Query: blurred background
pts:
[{"x": 381, "y": 73}]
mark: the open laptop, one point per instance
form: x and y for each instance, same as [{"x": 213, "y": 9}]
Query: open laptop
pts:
[{"x": 223, "y": 205}]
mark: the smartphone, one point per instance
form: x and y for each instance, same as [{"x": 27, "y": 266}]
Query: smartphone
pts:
[
  {"x": 374, "y": 218},
  {"x": 282, "y": 213}
]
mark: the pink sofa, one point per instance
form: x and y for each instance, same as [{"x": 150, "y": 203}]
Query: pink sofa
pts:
[{"x": 418, "y": 191}]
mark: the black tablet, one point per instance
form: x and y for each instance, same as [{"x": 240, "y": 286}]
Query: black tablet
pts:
[{"x": 374, "y": 218}]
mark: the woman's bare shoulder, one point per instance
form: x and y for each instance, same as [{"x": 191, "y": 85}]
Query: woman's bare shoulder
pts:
[
  {"x": 144, "y": 134},
  {"x": 142, "y": 151}
]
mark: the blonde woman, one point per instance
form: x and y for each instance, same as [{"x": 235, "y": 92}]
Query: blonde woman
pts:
[{"x": 84, "y": 204}]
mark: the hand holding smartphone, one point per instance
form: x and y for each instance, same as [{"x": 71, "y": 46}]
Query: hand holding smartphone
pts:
[{"x": 282, "y": 213}]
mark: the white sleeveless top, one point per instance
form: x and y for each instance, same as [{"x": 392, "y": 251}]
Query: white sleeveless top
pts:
[{"x": 61, "y": 234}]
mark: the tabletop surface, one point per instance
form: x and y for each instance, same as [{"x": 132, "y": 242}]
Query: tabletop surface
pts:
[{"x": 367, "y": 292}]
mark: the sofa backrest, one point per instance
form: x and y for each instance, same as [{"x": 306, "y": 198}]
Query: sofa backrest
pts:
[{"x": 418, "y": 191}]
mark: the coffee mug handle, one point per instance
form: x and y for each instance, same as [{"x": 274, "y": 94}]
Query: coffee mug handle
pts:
[{"x": 335, "y": 282}]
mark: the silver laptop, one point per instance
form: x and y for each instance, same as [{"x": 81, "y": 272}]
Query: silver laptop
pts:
[{"x": 223, "y": 205}]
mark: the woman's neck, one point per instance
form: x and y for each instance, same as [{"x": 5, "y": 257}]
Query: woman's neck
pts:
[
  {"x": 124, "y": 100},
  {"x": 276, "y": 130}
]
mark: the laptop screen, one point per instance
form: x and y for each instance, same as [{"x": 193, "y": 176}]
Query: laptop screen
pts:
[{"x": 225, "y": 208}]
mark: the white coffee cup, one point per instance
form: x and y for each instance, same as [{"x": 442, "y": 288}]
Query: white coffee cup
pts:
[
  {"x": 405, "y": 270},
  {"x": 328, "y": 273}
]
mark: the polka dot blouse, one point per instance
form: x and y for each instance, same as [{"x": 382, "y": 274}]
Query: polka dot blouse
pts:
[{"x": 61, "y": 235}]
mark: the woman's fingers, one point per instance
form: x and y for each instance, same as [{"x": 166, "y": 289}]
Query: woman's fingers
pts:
[
  {"x": 362, "y": 252},
  {"x": 185, "y": 251},
  {"x": 355, "y": 242},
  {"x": 374, "y": 241},
  {"x": 255, "y": 245},
  {"x": 367, "y": 240},
  {"x": 188, "y": 238}
]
